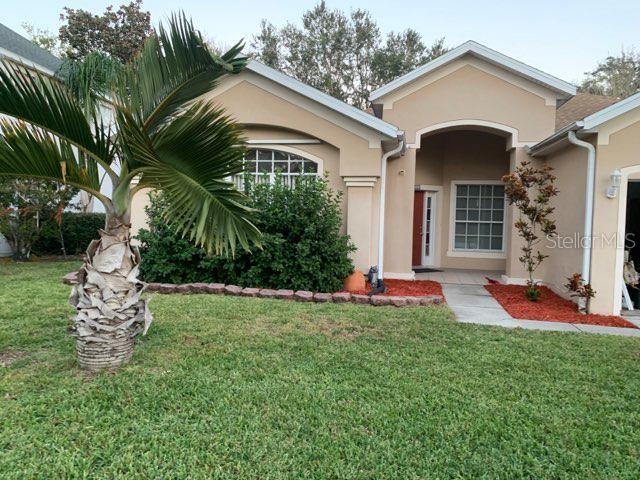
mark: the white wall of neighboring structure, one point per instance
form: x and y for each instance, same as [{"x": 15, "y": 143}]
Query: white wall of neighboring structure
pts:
[{"x": 5, "y": 249}]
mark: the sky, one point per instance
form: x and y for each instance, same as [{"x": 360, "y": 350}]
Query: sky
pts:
[{"x": 562, "y": 38}]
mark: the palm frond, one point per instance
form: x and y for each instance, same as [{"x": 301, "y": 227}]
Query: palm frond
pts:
[
  {"x": 93, "y": 80},
  {"x": 43, "y": 102},
  {"x": 30, "y": 152},
  {"x": 174, "y": 67},
  {"x": 192, "y": 160}
]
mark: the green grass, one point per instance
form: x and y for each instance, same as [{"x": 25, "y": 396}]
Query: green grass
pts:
[{"x": 227, "y": 387}]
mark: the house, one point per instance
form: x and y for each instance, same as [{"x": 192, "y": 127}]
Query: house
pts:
[
  {"x": 16, "y": 47},
  {"x": 421, "y": 175}
]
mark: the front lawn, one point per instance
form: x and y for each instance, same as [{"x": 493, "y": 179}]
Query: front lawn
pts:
[{"x": 227, "y": 387}]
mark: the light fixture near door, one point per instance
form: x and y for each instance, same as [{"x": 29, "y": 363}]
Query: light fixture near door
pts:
[{"x": 614, "y": 187}]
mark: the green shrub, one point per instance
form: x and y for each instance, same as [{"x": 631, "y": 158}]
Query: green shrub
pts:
[
  {"x": 78, "y": 229},
  {"x": 302, "y": 245}
]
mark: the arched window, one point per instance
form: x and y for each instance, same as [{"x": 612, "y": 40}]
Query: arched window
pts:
[{"x": 264, "y": 163}]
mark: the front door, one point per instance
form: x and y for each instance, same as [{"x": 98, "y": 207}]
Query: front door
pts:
[{"x": 424, "y": 209}]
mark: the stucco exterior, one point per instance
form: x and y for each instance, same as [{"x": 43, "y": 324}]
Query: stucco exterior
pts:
[
  {"x": 348, "y": 154},
  {"x": 462, "y": 156},
  {"x": 471, "y": 116},
  {"x": 570, "y": 168},
  {"x": 616, "y": 145},
  {"x": 462, "y": 122},
  {"x": 616, "y": 150}
]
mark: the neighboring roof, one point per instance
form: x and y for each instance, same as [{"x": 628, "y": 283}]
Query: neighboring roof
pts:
[
  {"x": 580, "y": 106},
  {"x": 328, "y": 101},
  {"x": 588, "y": 124},
  {"x": 18, "y": 45},
  {"x": 484, "y": 53}
]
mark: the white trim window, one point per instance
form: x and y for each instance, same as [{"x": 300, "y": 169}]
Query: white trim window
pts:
[
  {"x": 479, "y": 211},
  {"x": 264, "y": 163}
]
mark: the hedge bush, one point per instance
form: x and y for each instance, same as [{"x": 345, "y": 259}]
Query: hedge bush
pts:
[
  {"x": 78, "y": 229},
  {"x": 303, "y": 248}
]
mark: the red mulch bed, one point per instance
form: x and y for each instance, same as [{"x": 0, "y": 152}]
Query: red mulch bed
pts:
[
  {"x": 550, "y": 307},
  {"x": 407, "y": 288}
]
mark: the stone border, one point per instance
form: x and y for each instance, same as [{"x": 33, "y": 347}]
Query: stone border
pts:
[{"x": 297, "y": 295}]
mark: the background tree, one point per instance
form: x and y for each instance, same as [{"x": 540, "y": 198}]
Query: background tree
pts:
[
  {"x": 160, "y": 137},
  {"x": 119, "y": 33},
  {"x": 342, "y": 55},
  {"x": 402, "y": 53},
  {"x": 26, "y": 206},
  {"x": 530, "y": 189},
  {"x": 616, "y": 76},
  {"x": 44, "y": 39}
]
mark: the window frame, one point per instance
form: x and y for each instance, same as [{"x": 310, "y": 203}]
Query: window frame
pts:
[
  {"x": 476, "y": 253},
  {"x": 289, "y": 150}
]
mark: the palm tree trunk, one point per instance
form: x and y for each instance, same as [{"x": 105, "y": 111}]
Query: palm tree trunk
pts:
[{"x": 110, "y": 312}]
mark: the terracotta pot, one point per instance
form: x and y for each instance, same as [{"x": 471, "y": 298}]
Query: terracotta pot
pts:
[{"x": 355, "y": 282}]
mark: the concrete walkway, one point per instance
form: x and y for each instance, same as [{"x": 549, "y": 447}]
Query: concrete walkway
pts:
[{"x": 474, "y": 304}]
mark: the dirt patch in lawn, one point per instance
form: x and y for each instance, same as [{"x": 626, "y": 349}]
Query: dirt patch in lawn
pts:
[
  {"x": 407, "y": 288},
  {"x": 550, "y": 307},
  {"x": 8, "y": 357}
]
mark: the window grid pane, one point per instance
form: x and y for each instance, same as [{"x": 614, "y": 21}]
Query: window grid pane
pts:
[
  {"x": 479, "y": 217},
  {"x": 263, "y": 164}
]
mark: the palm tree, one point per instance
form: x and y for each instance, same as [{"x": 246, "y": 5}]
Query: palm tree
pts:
[
  {"x": 163, "y": 137},
  {"x": 91, "y": 80}
]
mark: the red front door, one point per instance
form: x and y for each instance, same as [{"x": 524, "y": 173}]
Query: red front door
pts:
[{"x": 418, "y": 217}]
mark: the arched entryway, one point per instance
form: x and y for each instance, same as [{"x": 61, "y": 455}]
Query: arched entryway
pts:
[{"x": 459, "y": 211}]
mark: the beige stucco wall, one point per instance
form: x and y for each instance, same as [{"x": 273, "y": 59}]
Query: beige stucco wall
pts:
[
  {"x": 471, "y": 93},
  {"x": 399, "y": 215},
  {"x": 616, "y": 149},
  {"x": 565, "y": 252},
  {"x": 251, "y": 101},
  {"x": 138, "y": 216}
]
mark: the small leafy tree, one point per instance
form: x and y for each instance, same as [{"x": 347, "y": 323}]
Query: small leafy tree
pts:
[
  {"x": 580, "y": 289},
  {"x": 119, "y": 33},
  {"x": 26, "y": 206},
  {"x": 530, "y": 189}
]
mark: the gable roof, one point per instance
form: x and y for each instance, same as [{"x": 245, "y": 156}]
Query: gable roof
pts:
[
  {"x": 588, "y": 124},
  {"x": 484, "y": 53},
  {"x": 580, "y": 106},
  {"x": 18, "y": 45},
  {"x": 322, "y": 98}
]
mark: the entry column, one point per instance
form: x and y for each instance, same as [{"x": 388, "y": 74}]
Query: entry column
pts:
[{"x": 360, "y": 220}]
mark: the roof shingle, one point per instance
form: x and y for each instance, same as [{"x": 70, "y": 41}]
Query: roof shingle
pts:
[
  {"x": 580, "y": 106},
  {"x": 17, "y": 44}
]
